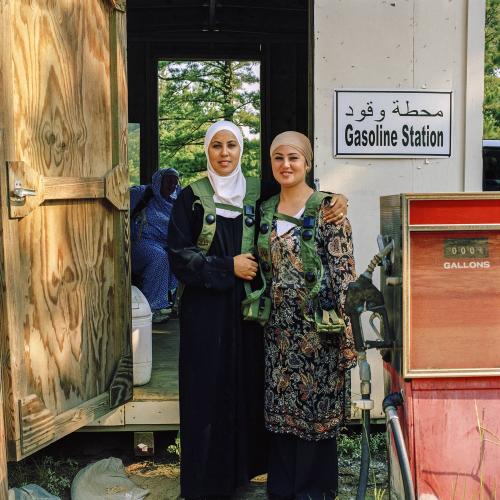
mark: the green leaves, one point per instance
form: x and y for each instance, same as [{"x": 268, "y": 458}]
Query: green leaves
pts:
[
  {"x": 194, "y": 94},
  {"x": 491, "y": 106}
]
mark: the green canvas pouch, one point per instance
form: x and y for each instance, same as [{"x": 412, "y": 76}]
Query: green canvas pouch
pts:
[
  {"x": 256, "y": 309},
  {"x": 328, "y": 325}
]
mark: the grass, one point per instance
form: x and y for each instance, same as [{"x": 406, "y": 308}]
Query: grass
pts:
[
  {"x": 349, "y": 446},
  {"x": 54, "y": 475},
  {"x": 349, "y": 450}
]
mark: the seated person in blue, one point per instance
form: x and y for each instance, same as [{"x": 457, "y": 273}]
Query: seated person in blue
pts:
[{"x": 150, "y": 209}]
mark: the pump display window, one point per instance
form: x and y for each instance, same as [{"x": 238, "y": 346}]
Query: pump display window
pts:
[
  {"x": 455, "y": 300},
  {"x": 453, "y": 287}
]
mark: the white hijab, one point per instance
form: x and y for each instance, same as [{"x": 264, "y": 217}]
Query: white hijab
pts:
[{"x": 228, "y": 189}]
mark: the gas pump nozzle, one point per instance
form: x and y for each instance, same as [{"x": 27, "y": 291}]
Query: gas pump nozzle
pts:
[{"x": 363, "y": 295}]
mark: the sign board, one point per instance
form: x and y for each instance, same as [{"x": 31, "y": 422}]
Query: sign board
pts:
[{"x": 392, "y": 123}]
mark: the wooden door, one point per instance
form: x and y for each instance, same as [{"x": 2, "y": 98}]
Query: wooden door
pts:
[{"x": 64, "y": 271}]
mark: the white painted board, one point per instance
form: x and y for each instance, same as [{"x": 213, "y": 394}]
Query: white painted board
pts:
[{"x": 392, "y": 123}]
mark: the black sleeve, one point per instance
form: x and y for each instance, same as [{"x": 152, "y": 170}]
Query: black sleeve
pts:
[{"x": 189, "y": 264}]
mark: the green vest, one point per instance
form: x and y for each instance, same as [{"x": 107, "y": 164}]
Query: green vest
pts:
[
  {"x": 205, "y": 193},
  {"x": 326, "y": 321},
  {"x": 203, "y": 190}
]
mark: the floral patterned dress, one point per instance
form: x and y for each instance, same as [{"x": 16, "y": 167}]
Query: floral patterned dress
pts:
[{"x": 305, "y": 376}]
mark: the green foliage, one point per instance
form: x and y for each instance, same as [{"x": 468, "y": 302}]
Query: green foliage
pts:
[
  {"x": 54, "y": 475},
  {"x": 349, "y": 446},
  {"x": 194, "y": 94},
  {"x": 491, "y": 106},
  {"x": 134, "y": 159},
  {"x": 175, "y": 449}
]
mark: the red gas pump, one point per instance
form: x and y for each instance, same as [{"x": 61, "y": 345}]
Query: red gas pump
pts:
[{"x": 442, "y": 292}]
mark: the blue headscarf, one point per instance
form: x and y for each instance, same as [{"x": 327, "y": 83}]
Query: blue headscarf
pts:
[
  {"x": 157, "y": 181},
  {"x": 152, "y": 222}
]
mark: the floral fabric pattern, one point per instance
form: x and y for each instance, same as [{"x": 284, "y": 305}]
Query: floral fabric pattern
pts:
[{"x": 305, "y": 376}]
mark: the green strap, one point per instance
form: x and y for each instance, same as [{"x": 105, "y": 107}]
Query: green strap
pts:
[
  {"x": 226, "y": 206},
  {"x": 268, "y": 209},
  {"x": 288, "y": 218},
  {"x": 252, "y": 194},
  {"x": 205, "y": 193},
  {"x": 308, "y": 253}
]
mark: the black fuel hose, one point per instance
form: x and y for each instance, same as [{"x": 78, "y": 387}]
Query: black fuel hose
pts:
[
  {"x": 389, "y": 405},
  {"x": 365, "y": 455}
]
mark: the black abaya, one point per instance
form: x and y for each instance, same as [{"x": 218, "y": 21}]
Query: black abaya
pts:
[
  {"x": 223, "y": 442},
  {"x": 302, "y": 470}
]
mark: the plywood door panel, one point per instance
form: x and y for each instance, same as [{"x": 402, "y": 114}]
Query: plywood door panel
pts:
[{"x": 65, "y": 250}]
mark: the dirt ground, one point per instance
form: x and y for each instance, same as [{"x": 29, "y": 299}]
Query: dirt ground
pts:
[
  {"x": 55, "y": 467},
  {"x": 162, "y": 481}
]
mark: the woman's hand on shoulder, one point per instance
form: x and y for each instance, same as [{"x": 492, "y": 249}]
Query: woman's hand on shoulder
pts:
[
  {"x": 245, "y": 266},
  {"x": 336, "y": 211}
]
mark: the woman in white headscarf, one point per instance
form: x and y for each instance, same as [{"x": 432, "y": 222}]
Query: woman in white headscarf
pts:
[{"x": 221, "y": 362}]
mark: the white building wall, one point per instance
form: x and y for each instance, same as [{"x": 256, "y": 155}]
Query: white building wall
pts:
[{"x": 397, "y": 44}]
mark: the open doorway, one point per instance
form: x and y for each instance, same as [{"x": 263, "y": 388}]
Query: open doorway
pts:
[
  {"x": 194, "y": 94},
  {"x": 170, "y": 46}
]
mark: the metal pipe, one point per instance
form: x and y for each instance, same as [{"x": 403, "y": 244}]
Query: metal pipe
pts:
[
  {"x": 366, "y": 405},
  {"x": 365, "y": 456},
  {"x": 389, "y": 405}
]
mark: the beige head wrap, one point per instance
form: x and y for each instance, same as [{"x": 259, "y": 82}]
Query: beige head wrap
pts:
[{"x": 295, "y": 140}]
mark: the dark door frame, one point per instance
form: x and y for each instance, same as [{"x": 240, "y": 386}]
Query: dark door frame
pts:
[{"x": 284, "y": 52}]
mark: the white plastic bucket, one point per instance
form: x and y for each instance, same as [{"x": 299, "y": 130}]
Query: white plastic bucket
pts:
[{"x": 142, "y": 349}]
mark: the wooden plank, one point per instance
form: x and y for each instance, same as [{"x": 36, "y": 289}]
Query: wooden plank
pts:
[
  {"x": 152, "y": 412},
  {"x": 162, "y": 387},
  {"x": 118, "y": 185},
  {"x": 114, "y": 418},
  {"x": 3, "y": 442},
  {"x": 66, "y": 188},
  {"x": 3, "y": 317},
  {"x": 66, "y": 423},
  {"x": 10, "y": 322},
  {"x": 114, "y": 187}
]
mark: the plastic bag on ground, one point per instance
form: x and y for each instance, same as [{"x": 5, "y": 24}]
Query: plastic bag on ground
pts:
[
  {"x": 31, "y": 492},
  {"x": 103, "y": 480}
]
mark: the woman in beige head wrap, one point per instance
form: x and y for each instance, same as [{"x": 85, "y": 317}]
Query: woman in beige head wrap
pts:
[{"x": 304, "y": 373}]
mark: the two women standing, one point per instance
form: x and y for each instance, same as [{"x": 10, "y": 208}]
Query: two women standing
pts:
[{"x": 221, "y": 367}]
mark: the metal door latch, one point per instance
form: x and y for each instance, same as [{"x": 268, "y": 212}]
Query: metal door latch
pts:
[{"x": 19, "y": 193}]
